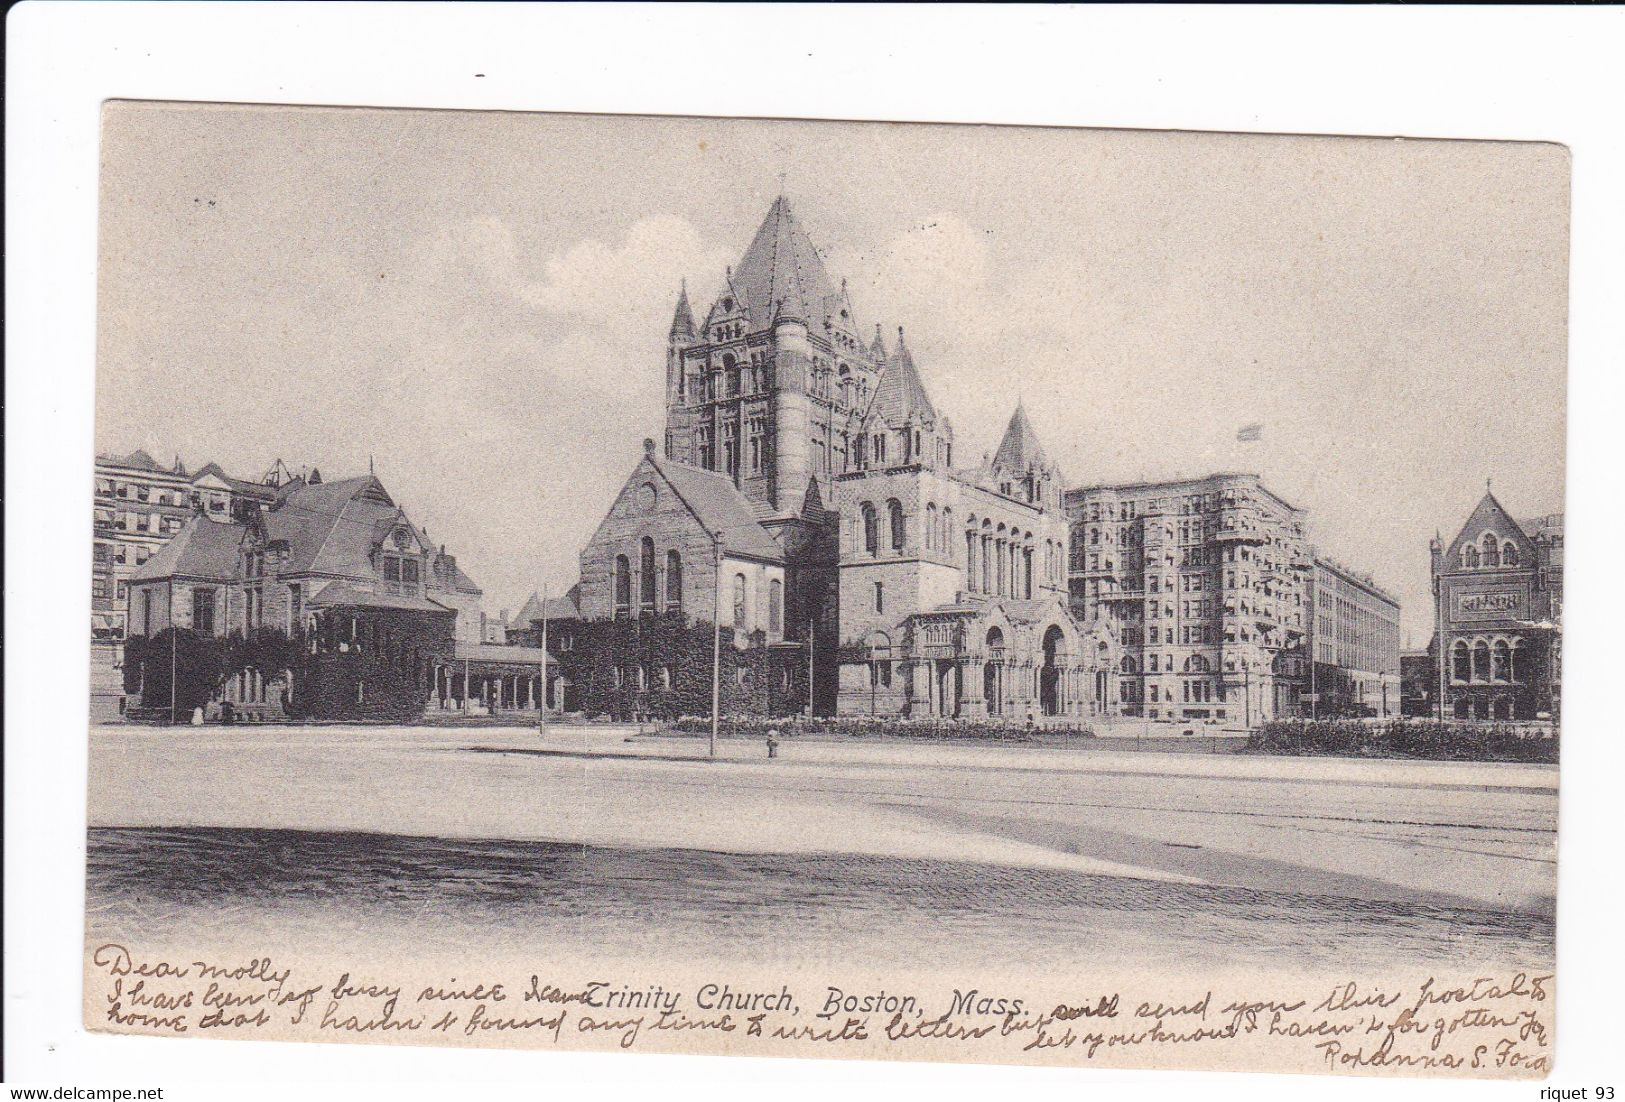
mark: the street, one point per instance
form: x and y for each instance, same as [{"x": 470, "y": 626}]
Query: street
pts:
[{"x": 421, "y": 834}]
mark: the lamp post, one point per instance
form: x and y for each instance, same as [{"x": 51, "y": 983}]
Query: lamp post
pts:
[
  {"x": 541, "y": 711},
  {"x": 716, "y": 647}
]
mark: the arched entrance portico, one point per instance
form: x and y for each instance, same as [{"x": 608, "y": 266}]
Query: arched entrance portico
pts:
[{"x": 1049, "y": 676}]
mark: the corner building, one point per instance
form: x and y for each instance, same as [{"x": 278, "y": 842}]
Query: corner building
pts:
[
  {"x": 1204, "y": 583},
  {"x": 808, "y": 498}
]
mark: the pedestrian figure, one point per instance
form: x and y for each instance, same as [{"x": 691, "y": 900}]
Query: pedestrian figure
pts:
[{"x": 773, "y": 742}]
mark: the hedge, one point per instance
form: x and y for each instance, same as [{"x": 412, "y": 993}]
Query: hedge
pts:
[
  {"x": 978, "y": 730},
  {"x": 1407, "y": 738}
]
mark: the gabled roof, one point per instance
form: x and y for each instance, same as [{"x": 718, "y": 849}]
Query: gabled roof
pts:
[
  {"x": 781, "y": 272},
  {"x": 331, "y": 527},
  {"x": 719, "y": 507},
  {"x": 1489, "y": 515},
  {"x": 203, "y": 549},
  {"x": 899, "y": 395},
  {"x": 567, "y": 607},
  {"x": 1020, "y": 449}
]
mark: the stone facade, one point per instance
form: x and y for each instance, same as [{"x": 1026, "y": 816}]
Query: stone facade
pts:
[
  {"x": 369, "y": 613},
  {"x": 1498, "y": 616},
  {"x": 862, "y": 570}
]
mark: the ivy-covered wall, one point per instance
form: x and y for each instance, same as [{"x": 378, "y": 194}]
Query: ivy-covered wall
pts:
[
  {"x": 201, "y": 664},
  {"x": 660, "y": 667}
]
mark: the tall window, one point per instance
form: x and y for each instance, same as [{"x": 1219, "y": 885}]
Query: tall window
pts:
[
  {"x": 1509, "y": 554},
  {"x": 730, "y": 449},
  {"x": 871, "y": 534},
  {"x": 703, "y": 448},
  {"x": 880, "y": 597},
  {"x": 1492, "y": 550},
  {"x": 674, "y": 582},
  {"x": 1501, "y": 661},
  {"x": 646, "y": 575},
  {"x": 758, "y": 434},
  {"x": 203, "y": 610},
  {"x": 739, "y": 602},
  {"x": 898, "y": 533},
  {"x": 775, "y": 606},
  {"x": 1469, "y": 557},
  {"x": 931, "y": 527},
  {"x": 970, "y": 561},
  {"x": 623, "y": 586},
  {"x": 1481, "y": 661}
]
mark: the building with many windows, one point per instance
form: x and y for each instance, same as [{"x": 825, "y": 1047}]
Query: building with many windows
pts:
[
  {"x": 1498, "y": 615},
  {"x": 139, "y": 505},
  {"x": 1204, "y": 584},
  {"x": 1354, "y": 637}
]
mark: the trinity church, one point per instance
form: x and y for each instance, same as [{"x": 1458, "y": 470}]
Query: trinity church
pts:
[{"x": 811, "y": 499}]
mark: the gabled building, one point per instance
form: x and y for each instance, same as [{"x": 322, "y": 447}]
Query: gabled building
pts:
[
  {"x": 1498, "y": 615},
  {"x": 365, "y": 617}
]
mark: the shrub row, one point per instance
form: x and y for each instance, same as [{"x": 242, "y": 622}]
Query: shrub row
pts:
[
  {"x": 989, "y": 730},
  {"x": 1407, "y": 738}
]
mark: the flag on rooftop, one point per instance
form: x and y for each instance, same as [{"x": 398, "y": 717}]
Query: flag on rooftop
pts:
[{"x": 1249, "y": 433}]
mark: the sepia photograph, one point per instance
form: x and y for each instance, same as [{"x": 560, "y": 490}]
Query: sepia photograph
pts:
[{"x": 999, "y": 594}]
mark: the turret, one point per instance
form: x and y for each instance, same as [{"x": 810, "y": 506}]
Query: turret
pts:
[
  {"x": 682, "y": 335},
  {"x": 792, "y": 363}
]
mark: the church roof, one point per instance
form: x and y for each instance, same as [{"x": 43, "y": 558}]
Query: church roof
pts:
[
  {"x": 203, "y": 549},
  {"x": 331, "y": 527},
  {"x": 900, "y": 394},
  {"x": 720, "y": 508},
  {"x": 1020, "y": 449},
  {"x": 781, "y": 272}
]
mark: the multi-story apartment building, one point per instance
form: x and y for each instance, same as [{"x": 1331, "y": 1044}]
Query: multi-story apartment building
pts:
[
  {"x": 1354, "y": 637},
  {"x": 140, "y": 504},
  {"x": 1204, "y": 583}
]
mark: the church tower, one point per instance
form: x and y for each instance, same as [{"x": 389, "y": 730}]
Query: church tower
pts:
[{"x": 771, "y": 389}]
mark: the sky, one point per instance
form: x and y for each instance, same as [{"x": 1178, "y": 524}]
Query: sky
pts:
[{"x": 477, "y": 305}]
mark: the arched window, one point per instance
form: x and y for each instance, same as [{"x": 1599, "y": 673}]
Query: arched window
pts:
[
  {"x": 931, "y": 526},
  {"x": 674, "y": 582},
  {"x": 775, "y": 605},
  {"x": 1509, "y": 554},
  {"x": 1520, "y": 661},
  {"x": 646, "y": 575},
  {"x": 871, "y": 533},
  {"x": 970, "y": 559},
  {"x": 880, "y": 597},
  {"x": 1501, "y": 661},
  {"x": 898, "y": 533},
  {"x": 1481, "y": 661},
  {"x": 623, "y": 586},
  {"x": 1461, "y": 662},
  {"x": 1469, "y": 557},
  {"x": 946, "y": 542},
  {"x": 739, "y": 602},
  {"x": 1492, "y": 549},
  {"x": 1128, "y": 664}
]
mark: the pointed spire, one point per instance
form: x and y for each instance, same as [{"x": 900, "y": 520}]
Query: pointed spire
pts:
[
  {"x": 781, "y": 270},
  {"x": 1020, "y": 450},
  {"x": 877, "y": 349},
  {"x": 900, "y": 394},
  {"x": 682, "y": 322}
]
